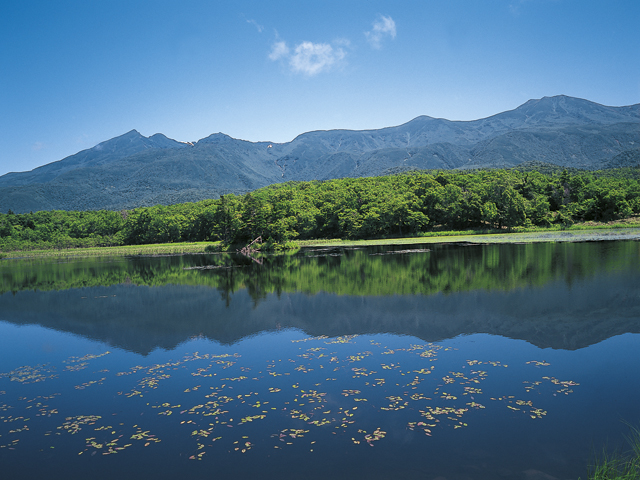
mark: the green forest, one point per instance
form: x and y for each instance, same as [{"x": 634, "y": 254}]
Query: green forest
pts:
[{"x": 350, "y": 208}]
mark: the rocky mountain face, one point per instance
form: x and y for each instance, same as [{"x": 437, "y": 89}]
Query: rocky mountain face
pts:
[{"x": 132, "y": 170}]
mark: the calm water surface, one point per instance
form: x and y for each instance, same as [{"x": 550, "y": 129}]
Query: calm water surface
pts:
[{"x": 457, "y": 362}]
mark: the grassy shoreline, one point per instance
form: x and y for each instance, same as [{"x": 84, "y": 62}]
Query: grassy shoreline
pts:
[
  {"x": 123, "y": 250},
  {"x": 540, "y": 235},
  {"x": 628, "y": 229},
  {"x": 619, "y": 465}
]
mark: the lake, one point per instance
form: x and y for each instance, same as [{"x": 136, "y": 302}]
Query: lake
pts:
[{"x": 431, "y": 362}]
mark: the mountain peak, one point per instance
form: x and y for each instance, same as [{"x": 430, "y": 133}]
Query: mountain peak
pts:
[
  {"x": 216, "y": 138},
  {"x": 566, "y": 110},
  {"x": 117, "y": 143}
]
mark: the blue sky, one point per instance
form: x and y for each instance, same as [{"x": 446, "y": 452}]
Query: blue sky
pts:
[{"x": 74, "y": 74}]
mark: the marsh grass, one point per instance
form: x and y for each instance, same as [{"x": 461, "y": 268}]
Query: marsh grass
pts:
[
  {"x": 619, "y": 466},
  {"x": 125, "y": 250},
  {"x": 492, "y": 237}
]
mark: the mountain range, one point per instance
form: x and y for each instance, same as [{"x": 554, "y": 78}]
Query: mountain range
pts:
[{"x": 133, "y": 170}]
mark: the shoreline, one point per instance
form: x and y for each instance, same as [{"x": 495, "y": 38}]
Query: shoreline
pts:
[
  {"x": 553, "y": 236},
  {"x": 580, "y": 234}
]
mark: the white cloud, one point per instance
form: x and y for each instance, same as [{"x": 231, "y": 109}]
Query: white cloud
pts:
[
  {"x": 256, "y": 24},
  {"x": 37, "y": 146},
  {"x": 312, "y": 58},
  {"x": 308, "y": 58},
  {"x": 279, "y": 50},
  {"x": 383, "y": 27}
]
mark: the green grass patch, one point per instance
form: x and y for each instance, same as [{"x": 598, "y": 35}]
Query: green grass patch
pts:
[
  {"x": 533, "y": 236},
  {"x": 125, "y": 250},
  {"x": 619, "y": 466}
]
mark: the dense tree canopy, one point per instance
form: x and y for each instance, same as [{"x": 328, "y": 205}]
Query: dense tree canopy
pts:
[{"x": 393, "y": 205}]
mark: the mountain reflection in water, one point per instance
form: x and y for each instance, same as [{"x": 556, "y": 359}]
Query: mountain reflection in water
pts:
[{"x": 564, "y": 295}]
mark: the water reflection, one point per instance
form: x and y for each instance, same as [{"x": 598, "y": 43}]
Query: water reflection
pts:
[
  {"x": 343, "y": 271},
  {"x": 564, "y": 296},
  {"x": 238, "y": 388}
]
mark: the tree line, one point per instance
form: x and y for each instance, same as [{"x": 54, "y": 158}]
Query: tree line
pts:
[{"x": 395, "y": 205}]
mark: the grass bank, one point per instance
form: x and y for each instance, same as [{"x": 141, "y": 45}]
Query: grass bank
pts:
[
  {"x": 541, "y": 235},
  {"x": 124, "y": 250},
  {"x": 627, "y": 229},
  {"x": 619, "y": 466}
]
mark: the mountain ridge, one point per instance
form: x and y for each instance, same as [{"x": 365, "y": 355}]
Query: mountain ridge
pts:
[{"x": 132, "y": 170}]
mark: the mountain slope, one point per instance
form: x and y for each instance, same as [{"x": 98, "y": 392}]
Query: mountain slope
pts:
[
  {"x": 104, "y": 153},
  {"x": 132, "y": 170}
]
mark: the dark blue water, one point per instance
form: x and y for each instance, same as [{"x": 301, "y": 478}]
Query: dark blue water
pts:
[{"x": 92, "y": 399}]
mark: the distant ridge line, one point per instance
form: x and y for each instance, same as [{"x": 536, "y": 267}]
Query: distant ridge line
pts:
[{"x": 132, "y": 170}]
